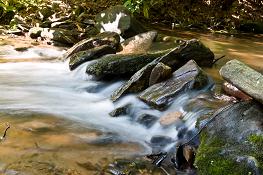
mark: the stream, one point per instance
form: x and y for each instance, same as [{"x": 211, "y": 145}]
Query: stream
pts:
[{"x": 60, "y": 119}]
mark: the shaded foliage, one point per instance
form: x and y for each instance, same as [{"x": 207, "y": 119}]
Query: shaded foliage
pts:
[{"x": 217, "y": 14}]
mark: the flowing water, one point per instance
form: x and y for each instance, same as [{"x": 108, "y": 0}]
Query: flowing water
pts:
[{"x": 60, "y": 119}]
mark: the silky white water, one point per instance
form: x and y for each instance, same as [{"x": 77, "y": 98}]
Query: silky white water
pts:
[{"x": 49, "y": 87}]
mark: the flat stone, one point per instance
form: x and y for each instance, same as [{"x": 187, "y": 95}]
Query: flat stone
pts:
[
  {"x": 244, "y": 78},
  {"x": 188, "y": 77}
]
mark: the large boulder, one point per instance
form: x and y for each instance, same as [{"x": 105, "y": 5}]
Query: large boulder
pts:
[
  {"x": 192, "y": 49},
  {"x": 111, "y": 39},
  {"x": 232, "y": 142},
  {"x": 244, "y": 78},
  {"x": 140, "y": 43},
  {"x": 161, "y": 95},
  {"x": 118, "y": 19},
  {"x": 121, "y": 64}
]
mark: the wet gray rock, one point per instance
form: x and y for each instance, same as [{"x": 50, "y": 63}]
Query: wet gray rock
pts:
[
  {"x": 121, "y": 64},
  {"x": 140, "y": 43},
  {"x": 107, "y": 38},
  {"x": 147, "y": 120},
  {"x": 160, "y": 73},
  {"x": 118, "y": 19},
  {"x": 192, "y": 49},
  {"x": 188, "y": 77},
  {"x": 160, "y": 140},
  {"x": 88, "y": 55},
  {"x": 123, "y": 110},
  {"x": 233, "y": 141},
  {"x": 244, "y": 78}
]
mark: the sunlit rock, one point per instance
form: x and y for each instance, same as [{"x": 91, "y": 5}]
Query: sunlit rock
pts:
[
  {"x": 35, "y": 32},
  {"x": 118, "y": 19},
  {"x": 170, "y": 118},
  {"x": 140, "y": 43},
  {"x": 244, "y": 78}
]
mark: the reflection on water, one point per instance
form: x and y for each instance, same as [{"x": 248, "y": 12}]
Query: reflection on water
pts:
[
  {"x": 43, "y": 144},
  {"x": 246, "y": 48}
]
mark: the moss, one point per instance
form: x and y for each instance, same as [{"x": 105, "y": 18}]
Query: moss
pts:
[
  {"x": 257, "y": 144},
  {"x": 210, "y": 159},
  {"x": 256, "y": 139}
]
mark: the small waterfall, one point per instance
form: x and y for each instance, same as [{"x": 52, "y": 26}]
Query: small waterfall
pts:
[{"x": 49, "y": 87}]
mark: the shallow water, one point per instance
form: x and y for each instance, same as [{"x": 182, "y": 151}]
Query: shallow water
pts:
[{"x": 62, "y": 117}]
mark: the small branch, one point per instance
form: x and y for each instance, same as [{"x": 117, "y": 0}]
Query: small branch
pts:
[
  {"x": 5, "y": 133},
  {"x": 218, "y": 59}
]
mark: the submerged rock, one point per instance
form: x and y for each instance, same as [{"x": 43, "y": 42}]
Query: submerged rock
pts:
[
  {"x": 107, "y": 38},
  {"x": 118, "y": 19},
  {"x": 192, "y": 49},
  {"x": 244, "y": 78},
  {"x": 147, "y": 120},
  {"x": 235, "y": 92},
  {"x": 88, "y": 55},
  {"x": 160, "y": 141},
  {"x": 123, "y": 110},
  {"x": 232, "y": 142},
  {"x": 121, "y": 64},
  {"x": 161, "y": 95},
  {"x": 140, "y": 43},
  {"x": 170, "y": 118}
]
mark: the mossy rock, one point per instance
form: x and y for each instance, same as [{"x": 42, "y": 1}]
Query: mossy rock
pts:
[
  {"x": 121, "y": 64},
  {"x": 232, "y": 143}
]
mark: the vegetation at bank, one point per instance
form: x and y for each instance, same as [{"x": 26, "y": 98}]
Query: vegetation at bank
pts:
[{"x": 214, "y": 15}]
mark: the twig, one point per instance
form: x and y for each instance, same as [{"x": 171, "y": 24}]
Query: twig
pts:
[
  {"x": 218, "y": 59},
  {"x": 5, "y": 133}
]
